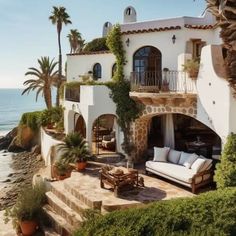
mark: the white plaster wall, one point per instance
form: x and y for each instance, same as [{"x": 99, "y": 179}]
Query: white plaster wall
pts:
[
  {"x": 78, "y": 65},
  {"x": 95, "y": 101},
  {"x": 216, "y": 107},
  {"x": 163, "y": 41},
  {"x": 46, "y": 143}
]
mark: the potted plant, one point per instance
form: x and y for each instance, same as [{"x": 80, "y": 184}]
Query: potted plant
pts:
[
  {"x": 192, "y": 68},
  {"x": 75, "y": 150},
  {"x": 27, "y": 211},
  {"x": 62, "y": 170}
]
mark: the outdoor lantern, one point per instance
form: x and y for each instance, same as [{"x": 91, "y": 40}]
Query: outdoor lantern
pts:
[
  {"x": 173, "y": 38},
  {"x": 127, "y": 42}
]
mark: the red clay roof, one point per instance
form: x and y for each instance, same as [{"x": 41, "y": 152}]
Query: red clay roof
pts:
[
  {"x": 141, "y": 31},
  {"x": 203, "y": 27},
  {"x": 89, "y": 53}
]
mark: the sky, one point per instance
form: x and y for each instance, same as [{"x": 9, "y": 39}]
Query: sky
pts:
[{"x": 26, "y": 34}]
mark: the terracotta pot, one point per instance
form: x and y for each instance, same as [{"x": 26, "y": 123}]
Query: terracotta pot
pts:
[
  {"x": 28, "y": 227},
  {"x": 80, "y": 165}
]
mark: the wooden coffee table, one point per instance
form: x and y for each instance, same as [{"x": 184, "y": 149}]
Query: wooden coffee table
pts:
[{"x": 120, "y": 182}]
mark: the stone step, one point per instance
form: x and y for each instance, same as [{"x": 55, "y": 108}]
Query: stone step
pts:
[
  {"x": 92, "y": 203},
  {"x": 58, "y": 206},
  {"x": 70, "y": 200},
  {"x": 59, "y": 224}
]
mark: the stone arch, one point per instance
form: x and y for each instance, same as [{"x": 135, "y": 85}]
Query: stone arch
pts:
[{"x": 140, "y": 126}]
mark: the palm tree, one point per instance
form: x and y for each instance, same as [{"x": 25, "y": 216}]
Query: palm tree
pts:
[
  {"x": 225, "y": 12},
  {"x": 46, "y": 77},
  {"x": 74, "y": 148},
  {"x": 76, "y": 41},
  {"x": 59, "y": 17}
]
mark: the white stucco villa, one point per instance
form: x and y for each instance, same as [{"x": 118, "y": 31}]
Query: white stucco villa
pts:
[{"x": 177, "y": 109}]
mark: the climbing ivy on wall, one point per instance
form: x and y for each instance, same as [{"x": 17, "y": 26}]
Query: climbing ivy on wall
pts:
[
  {"x": 115, "y": 45},
  {"x": 127, "y": 109}
]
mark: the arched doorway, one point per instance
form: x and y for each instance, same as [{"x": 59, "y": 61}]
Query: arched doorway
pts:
[
  {"x": 80, "y": 125},
  {"x": 147, "y": 66},
  {"x": 104, "y": 132},
  {"x": 182, "y": 133}
]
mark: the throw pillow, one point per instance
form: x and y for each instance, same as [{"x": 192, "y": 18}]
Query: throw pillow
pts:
[
  {"x": 190, "y": 160},
  {"x": 197, "y": 165},
  {"x": 173, "y": 156},
  {"x": 183, "y": 157},
  {"x": 160, "y": 154}
]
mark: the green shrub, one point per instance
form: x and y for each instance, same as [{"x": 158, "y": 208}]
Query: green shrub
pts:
[
  {"x": 31, "y": 119},
  {"x": 28, "y": 205},
  {"x": 52, "y": 116},
  {"x": 98, "y": 44},
  {"x": 225, "y": 174},
  {"x": 212, "y": 213}
]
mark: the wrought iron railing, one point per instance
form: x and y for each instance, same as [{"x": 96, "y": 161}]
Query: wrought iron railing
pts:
[
  {"x": 162, "y": 81},
  {"x": 72, "y": 94}
]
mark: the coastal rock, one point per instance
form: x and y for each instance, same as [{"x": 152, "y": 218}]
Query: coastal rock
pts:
[
  {"x": 14, "y": 146},
  {"x": 6, "y": 140},
  {"x": 36, "y": 149},
  {"x": 25, "y": 165}
]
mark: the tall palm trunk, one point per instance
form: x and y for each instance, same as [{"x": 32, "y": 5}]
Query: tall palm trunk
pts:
[
  {"x": 59, "y": 69},
  {"x": 48, "y": 96}
]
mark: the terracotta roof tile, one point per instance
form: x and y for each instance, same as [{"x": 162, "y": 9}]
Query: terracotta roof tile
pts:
[
  {"x": 89, "y": 53},
  {"x": 151, "y": 30},
  {"x": 203, "y": 27}
]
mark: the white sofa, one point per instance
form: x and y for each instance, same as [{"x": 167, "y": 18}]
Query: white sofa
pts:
[{"x": 187, "y": 169}]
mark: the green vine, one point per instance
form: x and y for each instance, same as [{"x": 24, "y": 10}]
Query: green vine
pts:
[
  {"x": 115, "y": 44},
  {"x": 127, "y": 109}
]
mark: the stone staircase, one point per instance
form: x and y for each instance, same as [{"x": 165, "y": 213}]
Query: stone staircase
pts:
[{"x": 66, "y": 206}]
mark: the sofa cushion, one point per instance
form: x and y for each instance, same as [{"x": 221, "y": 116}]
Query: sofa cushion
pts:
[
  {"x": 208, "y": 163},
  {"x": 160, "y": 154},
  {"x": 197, "y": 165},
  {"x": 178, "y": 172},
  {"x": 173, "y": 156},
  {"x": 183, "y": 157},
  {"x": 190, "y": 160}
]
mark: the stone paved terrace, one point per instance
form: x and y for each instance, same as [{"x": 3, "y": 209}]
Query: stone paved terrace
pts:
[{"x": 88, "y": 184}]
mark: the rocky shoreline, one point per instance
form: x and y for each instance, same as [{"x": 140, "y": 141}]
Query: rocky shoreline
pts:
[{"x": 24, "y": 165}]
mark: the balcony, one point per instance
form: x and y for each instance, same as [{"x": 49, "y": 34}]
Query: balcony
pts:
[
  {"x": 72, "y": 94},
  {"x": 162, "y": 82},
  {"x": 152, "y": 87}
]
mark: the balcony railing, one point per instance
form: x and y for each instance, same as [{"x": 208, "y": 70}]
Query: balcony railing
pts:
[
  {"x": 162, "y": 81},
  {"x": 72, "y": 94}
]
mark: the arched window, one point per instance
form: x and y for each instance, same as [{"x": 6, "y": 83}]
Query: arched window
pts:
[
  {"x": 114, "y": 68},
  {"x": 147, "y": 66},
  {"x": 147, "y": 59},
  {"x": 97, "y": 71}
]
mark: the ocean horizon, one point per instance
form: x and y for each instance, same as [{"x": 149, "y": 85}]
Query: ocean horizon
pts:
[{"x": 13, "y": 105}]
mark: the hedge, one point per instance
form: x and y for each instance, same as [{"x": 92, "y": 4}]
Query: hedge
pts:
[
  {"x": 211, "y": 213},
  {"x": 98, "y": 44}
]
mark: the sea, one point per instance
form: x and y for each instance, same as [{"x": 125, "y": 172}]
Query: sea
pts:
[{"x": 12, "y": 106}]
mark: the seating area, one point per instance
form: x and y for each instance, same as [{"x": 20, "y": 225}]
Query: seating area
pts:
[
  {"x": 109, "y": 141},
  {"x": 187, "y": 169}
]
